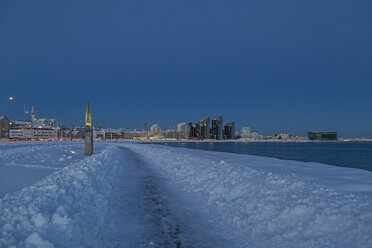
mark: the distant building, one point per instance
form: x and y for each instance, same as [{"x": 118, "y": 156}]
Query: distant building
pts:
[
  {"x": 135, "y": 134},
  {"x": 217, "y": 128},
  {"x": 155, "y": 131},
  {"x": 98, "y": 133},
  {"x": 34, "y": 132},
  {"x": 181, "y": 127},
  {"x": 188, "y": 130},
  {"x": 229, "y": 130},
  {"x": 20, "y": 124},
  {"x": 255, "y": 136},
  {"x": 195, "y": 131},
  {"x": 41, "y": 121},
  {"x": 111, "y": 134},
  {"x": 245, "y": 133},
  {"x": 322, "y": 135},
  {"x": 283, "y": 136},
  {"x": 203, "y": 127},
  {"x": 39, "y": 129},
  {"x": 4, "y": 127},
  {"x": 171, "y": 134},
  {"x": 181, "y": 130},
  {"x": 71, "y": 133}
]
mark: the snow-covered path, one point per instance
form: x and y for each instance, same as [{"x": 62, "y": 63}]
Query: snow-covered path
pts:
[
  {"x": 135, "y": 195},
  {"x": 143, "y": 212}
]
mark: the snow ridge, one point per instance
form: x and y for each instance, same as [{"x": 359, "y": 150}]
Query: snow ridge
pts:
[{"x": 65, "y": 209}]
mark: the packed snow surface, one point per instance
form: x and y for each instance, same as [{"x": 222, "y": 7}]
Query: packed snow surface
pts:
[{"x": 139, "y": 195}]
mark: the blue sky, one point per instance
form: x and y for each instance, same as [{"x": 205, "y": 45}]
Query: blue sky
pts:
[{"x": 276, "y": 66}]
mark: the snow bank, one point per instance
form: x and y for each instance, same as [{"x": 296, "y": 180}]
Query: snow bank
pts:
[
  {"x": 65, "y": 209},
  {"x": 23, "y": 164},
  {"x": 268, "y": 202}
]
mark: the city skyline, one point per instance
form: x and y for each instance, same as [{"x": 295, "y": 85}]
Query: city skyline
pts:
[
  {"x": 275, "y": 67},
  {"x": 29, "y": 115},
  {"x": 204, "y": 129}
]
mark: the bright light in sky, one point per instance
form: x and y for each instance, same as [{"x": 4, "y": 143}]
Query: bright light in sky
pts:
[{"x": 11, "y": 98}]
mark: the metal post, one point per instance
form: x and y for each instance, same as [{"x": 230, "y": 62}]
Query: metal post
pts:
[{"x": 88, "y": 132}]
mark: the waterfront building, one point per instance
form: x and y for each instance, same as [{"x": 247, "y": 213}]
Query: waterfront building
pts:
[
  {"x": 229, "y": 130},
  {"x": 194, "y": 131},
  {"x": 217, "y": 128},
  {"x": 203, "y": 127},
  {"x": 155, "y": 131},
  {"x": 181, "y": 130},
  {"x": 254, "y": 136},
  {"x": 39, "y": 129},
  {"x": 245, "y": 133},
  {"x": 111, "y": 134},
  {"x": 181, "y": 127},
  {"x": 283, "y": 136},
  {"x": 135, "y": 134},
  {"x": 322, "y": 135},
  {"x": 4, "y": 127},
  {"x": 188, "y": 128},
  {"x": 34, "y": 132},
  {"x": 171, "y": 134}
]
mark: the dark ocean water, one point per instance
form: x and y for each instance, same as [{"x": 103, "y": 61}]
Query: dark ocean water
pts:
[{"x": 344, "y": 154}]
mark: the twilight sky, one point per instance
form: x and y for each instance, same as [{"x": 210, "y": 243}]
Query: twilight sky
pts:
[{"x": 275, "y": 66}]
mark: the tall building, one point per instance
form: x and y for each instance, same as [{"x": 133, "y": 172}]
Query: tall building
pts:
[
  {"x": 217, "y": 128},
  {"x": 188, "y": 130},
  {"x": 4, "y": 127},
  {"x": 181, "y": 128},
  {"x": 155, "y": 131},
  {"x": 203, "y": 128},
  {"x": 245, "y": 133},
  {"x": 229, "y": 130}
]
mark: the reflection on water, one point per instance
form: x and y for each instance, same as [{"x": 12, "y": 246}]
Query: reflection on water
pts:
[{"x": 345, "y": 154}]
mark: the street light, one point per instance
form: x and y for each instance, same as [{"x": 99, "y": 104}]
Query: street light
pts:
[{"x": 11, "y": 98}]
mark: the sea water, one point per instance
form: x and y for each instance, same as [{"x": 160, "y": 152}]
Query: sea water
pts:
[{"x": 344, "y": 154}]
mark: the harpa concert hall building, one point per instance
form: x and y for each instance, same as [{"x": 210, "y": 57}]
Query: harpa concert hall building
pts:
[{"x": 322, "y": 135}]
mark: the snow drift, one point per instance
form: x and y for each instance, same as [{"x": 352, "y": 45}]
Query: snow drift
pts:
[{"x": 65, "y": 209}]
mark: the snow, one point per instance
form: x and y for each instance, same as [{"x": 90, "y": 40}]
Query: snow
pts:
[
  {"x": 141, "y": 195},
  {"x": 24, "y": 164},
  {"x": 63, "y": 209},
  {"x": 268, "y": 202}
]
